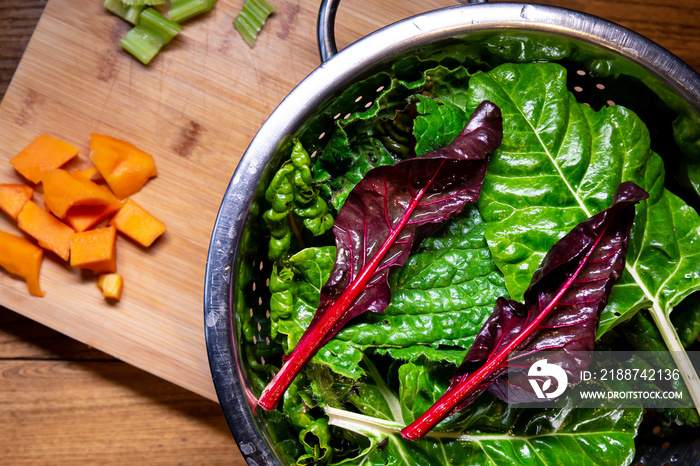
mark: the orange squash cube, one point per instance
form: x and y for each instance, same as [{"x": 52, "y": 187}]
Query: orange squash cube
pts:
[
  {"x": 89, "y": 173},
  {"x": 63, "y": 191},
  {"x": 136, "y": 223},
  {"x": 50, "y": 232},
  {"x": 13, "y": 197},
  {"x": 84, "y": 217},
  {"x": 95, "y": 250},
  {"x": 111, "y": 285},
  {"x": 124, "y": 167},
  {"x": 21, "y": 257},
  {"x": 41, "y": 155}
]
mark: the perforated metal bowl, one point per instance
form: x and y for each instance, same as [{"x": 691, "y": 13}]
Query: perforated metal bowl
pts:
[{"x": 596, "y": 52}]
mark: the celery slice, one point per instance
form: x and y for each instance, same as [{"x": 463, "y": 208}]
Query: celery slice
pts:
[
  {"x": 128, "y": 13},
  {"x": 181, "y": 10},
  {"x": 143, "y": 3},
  {"x": 146, "y": 39},
  {"x": 250, "y": 20}
]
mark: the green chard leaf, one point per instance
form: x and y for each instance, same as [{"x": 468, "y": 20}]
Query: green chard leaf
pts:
[
  {"x": 437, "y": 123},
  {"x": 686, "y": 132},
  {"x": 642, "y": 335},
  {"x": 559, "y": 163},
  {"x": 379, "y": 131},
  {"x": 296, "y": 290},
  {"x": 292, "y": 193},
  {"x": 489, "y": 432},
  {"x": 338, "y": 157},
  {"x": 440, "y": 297},
  {"x": 686, "y": 319},
  {"x": 448, "y": 85},
  {"x": 314, "y": 434}
]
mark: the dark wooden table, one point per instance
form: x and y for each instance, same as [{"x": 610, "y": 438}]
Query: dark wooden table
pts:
[{"x": 62, "y": 402}]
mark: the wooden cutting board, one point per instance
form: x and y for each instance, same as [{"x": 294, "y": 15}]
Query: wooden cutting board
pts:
[{"x": 195, "y": 108}]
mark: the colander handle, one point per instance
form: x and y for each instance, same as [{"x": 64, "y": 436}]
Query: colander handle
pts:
[{"x": 325, "y": 28}]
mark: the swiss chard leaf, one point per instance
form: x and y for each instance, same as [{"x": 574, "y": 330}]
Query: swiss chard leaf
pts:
[
  {"x": 364, "y": 154},
  {"x": 377, "y": 226},
  {"x": 686, "y": 319},
  {"x": 448, "y": 85},
  {"x": 642, "y": 335},
  {"x": 381, "y": 132},
  {"x": 440, "y": 299},
  {"x": 559, "y": 163},
  {"x": 437, "y": 123},
  {"x": 489, "y": 432},
  {"x": 686, "y": 131},
  {"x": 314, "y": 434},
  {"x": 560, "y": 312},
  {"x": 291, "y": 191},
  {"x": 295, "y": 290}
]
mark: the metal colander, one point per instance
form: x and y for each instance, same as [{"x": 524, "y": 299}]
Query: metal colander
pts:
[{"x": 607, "y": 65}]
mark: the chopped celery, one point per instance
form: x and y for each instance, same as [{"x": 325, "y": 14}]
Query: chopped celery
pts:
[
  {"x": 143, "y": 3},
  {"x": 146, "y": 39},
  {"x": 181, "y": 10},
  {"x": 126, "y": 12},
  {"x": 250, "y": 20}
]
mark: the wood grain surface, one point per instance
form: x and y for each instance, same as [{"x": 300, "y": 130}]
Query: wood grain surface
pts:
[{"x": 63, "y": 401}]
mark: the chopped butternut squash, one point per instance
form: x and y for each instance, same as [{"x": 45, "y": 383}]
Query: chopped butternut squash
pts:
[
  {"x": 84, "y": 217},
  {"x": 21, "y": 257},
  {"x": 41, "y": 155},
  {"x": 89, "y": 173},
  {"x": 136, "y": 223},
  {"x": 13, "y": 197},
  {"x": 63, "y": 191},
  {"x": 111, "y": 285},
  {"x": 50, "y": 232},
  {"x": 124, "y": 167},
  {"x": 95, "y": 250},
  {"x": 75, "y": 208}
]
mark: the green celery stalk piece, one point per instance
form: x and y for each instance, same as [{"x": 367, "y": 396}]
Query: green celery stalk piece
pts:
[
  {"x": 126, "y": 12},
  {"x": 143, "y": 3},
  {"x": 182, "y": 10},
  {"x": 250, "y": 20},
  {"x": 152, "y": 33}
]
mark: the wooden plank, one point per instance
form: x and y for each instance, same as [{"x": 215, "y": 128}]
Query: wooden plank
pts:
[
  {"x": 18, "y": 20},
  {"x": 63, "y": 402},
  {"x": 106, "y": 412}
]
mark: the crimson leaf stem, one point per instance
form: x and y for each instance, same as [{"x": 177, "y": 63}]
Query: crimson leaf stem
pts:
[
  {"x": 316, "y": 334},
  {"x": 377, "y": 226},
  {"x": 454, "y": 396}
]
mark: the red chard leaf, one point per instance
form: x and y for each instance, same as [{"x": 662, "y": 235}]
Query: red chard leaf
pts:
[
  {"x": 378, "y": 224},
  {"x": 560, "y": 313}
]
